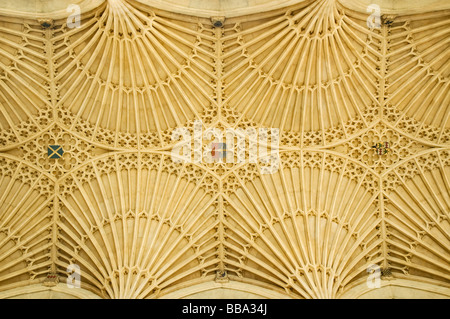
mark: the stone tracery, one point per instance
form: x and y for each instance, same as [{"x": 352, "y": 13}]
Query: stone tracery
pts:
[{"x": 112, "y": 92}]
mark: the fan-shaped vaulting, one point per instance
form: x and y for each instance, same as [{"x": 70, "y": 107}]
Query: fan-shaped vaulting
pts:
[{"x": 87, "y": 176}]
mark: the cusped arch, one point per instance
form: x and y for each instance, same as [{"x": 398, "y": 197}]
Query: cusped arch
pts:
[
  {"x": 398, "y": 288},
  {"x": 229, "y": 290},
  {"x": 39, "y": 291}
]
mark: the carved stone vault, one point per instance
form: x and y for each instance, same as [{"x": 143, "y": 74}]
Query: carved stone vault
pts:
[{"x": 111, "y": 92}]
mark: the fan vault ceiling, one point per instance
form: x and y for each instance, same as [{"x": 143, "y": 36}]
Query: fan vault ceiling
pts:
[{"x": 139, "y": 225}]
